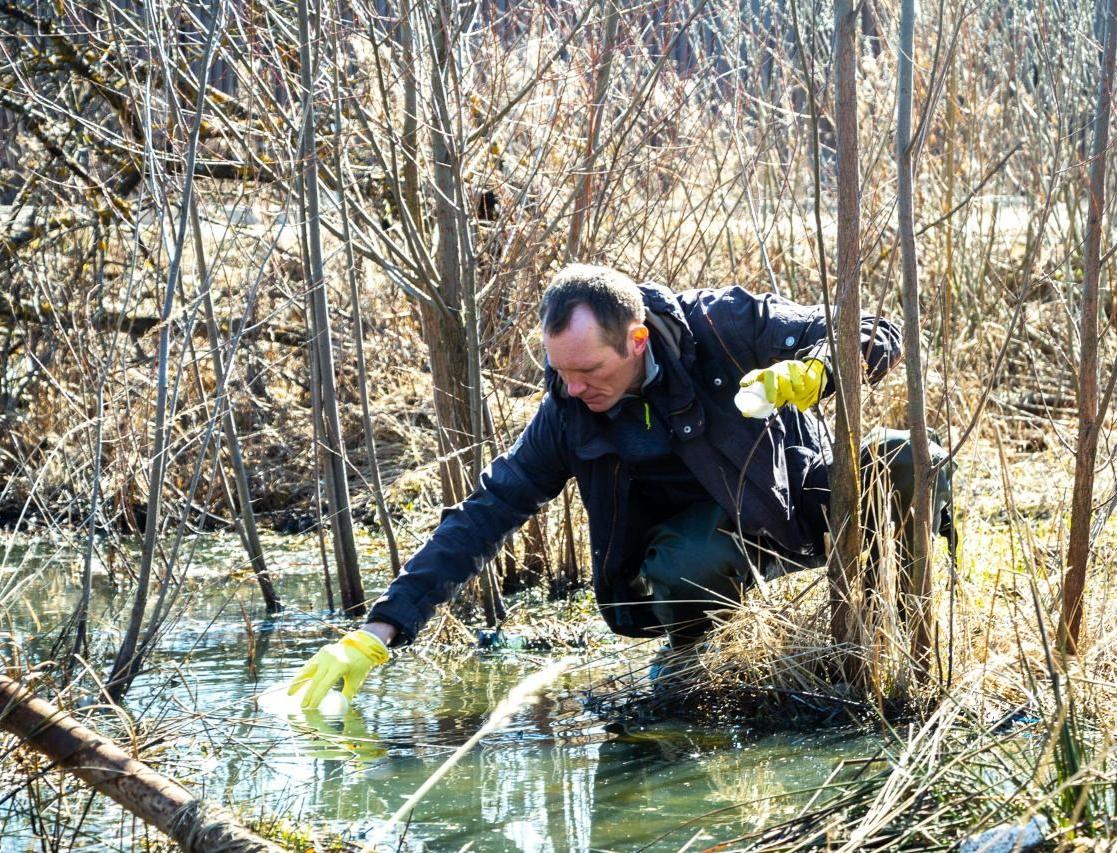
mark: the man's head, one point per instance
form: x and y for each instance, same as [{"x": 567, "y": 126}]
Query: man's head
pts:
[{"x": 594, "y": 333}]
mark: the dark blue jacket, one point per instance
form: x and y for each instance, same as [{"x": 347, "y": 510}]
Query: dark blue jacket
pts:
[{"x": 704, "y": 341}]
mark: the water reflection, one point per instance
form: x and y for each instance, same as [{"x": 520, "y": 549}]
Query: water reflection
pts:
[
  {"x": 529, "y": 787},
  {"x": 534, "y": 786}
]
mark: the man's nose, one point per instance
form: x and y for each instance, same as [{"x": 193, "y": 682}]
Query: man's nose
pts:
[{"x": 575, "y": 388}]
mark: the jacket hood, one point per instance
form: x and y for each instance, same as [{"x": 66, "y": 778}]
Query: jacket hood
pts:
[{"x": 664, "y": 318}]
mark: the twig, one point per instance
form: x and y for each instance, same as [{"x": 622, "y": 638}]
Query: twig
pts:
[{"x": 522, "y": 694}]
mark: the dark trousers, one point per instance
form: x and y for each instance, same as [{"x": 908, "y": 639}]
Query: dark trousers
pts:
[{"x": 696, "y": 563}]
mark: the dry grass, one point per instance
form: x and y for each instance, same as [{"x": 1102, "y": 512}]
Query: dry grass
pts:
[{"x": 1005, "y": 732}]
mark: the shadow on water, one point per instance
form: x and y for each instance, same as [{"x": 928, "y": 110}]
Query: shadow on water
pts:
[{"x": 540, "y": 783}]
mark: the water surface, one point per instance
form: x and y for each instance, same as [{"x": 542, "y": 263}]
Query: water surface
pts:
[{"x": 552, "y": 779}]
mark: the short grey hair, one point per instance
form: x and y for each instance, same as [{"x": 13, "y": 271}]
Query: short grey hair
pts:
[{"x": 612, "y": 297}]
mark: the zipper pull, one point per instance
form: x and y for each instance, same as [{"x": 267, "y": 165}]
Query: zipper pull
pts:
[{"x": 647, "y": 417}]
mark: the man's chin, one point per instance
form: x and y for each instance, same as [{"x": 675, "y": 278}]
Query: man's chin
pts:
[{"x": 599, "y": 404}]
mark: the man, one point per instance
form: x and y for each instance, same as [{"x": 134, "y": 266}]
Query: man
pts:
[{"x": 687, "y": 500}]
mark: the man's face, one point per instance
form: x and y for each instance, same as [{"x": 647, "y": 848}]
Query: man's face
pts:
[{"x": 592, "y": 370}]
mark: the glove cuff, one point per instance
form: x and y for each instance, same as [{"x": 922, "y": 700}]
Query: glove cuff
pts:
[{"x": 368, "y": 644}]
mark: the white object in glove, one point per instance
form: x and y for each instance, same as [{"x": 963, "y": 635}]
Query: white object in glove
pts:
[{"x": 752, "y": 401}]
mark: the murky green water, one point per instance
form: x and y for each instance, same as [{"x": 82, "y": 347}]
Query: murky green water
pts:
[{"x": 552, "y": 779}]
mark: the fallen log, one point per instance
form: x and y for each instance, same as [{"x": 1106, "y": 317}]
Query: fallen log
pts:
[{"x": 195, "y": 825}]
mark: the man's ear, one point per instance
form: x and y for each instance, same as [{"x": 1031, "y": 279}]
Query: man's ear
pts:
[{"x": 640, "y": 339}]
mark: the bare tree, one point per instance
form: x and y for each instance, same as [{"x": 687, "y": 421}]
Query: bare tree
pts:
[
  {"x": 595, "y": 120},
  {"x": 246, "y": 518},
  {"x": 128, "y": 659},
  {"x": 336, "y": 475},
  {"x": 916, "y": 567},
  {"x": 845, "y": 478},
  {"x": 382, "y": 513},
  {"x": 1082, "y": 502}
]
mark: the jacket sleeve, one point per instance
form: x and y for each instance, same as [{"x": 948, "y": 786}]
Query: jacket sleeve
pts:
[
  {"x": 769, "y": 328},
  {"x": 511, "y": 489},
  {"x": 881, "y": 348}
]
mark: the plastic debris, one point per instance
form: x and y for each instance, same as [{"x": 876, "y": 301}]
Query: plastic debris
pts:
[{"x": 1008, "y": 838}]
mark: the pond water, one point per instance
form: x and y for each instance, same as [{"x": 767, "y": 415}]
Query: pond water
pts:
[{"x": 552, "y": 778}]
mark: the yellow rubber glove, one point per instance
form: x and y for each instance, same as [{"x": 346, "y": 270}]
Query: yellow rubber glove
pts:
[
  {"x": 797, "y": 382},
  {"x": 349, "y": 659}
]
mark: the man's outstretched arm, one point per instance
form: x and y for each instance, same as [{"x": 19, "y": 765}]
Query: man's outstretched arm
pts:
[{"x": 518, "y": 482}]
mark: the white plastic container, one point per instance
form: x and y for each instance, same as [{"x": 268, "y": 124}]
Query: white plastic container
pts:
[
  {"x": 752, "y": 402},
  {"x": 275, "y": 700}
]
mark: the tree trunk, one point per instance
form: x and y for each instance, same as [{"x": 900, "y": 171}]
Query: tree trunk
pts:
[
  {"x": 1078, "y": 548},
  {"x": 320, "y": 471},
  {"x": 409, "y": 134},
  {"x": 246, "y": 517},
  {"x": 445, "y": 332},
  {"x": 446, "y": 350},
  {"x": 583, "y": 182},
  {"x": 359, "y": 336},
  {"x": 81, "y": 611},
  {"x": 127, "y": 663},
  {"x": 337, "y": 493},
  {"x": 193, "y": 824},
  {"x": 845, "y": 480},
  {"x": 457, "y": 377},
  {"x": 915, "y": 567},
  {"x": 569, "y": 576},
  {"x": 536, "y": 559},
  {"x": 441, "y": 329}
]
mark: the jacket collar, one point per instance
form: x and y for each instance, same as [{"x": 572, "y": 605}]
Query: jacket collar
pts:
[
  {"x": 666, "y": 317},
  {"x": 672, "y": 339}
]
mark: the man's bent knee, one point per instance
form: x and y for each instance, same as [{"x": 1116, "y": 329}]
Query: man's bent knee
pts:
[
  {"x": 693, "y": 565},
  {"x": 888, "y": 467}
]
